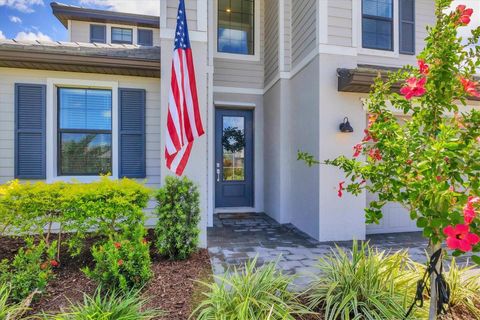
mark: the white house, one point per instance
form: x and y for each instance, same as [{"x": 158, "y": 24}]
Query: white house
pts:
[{"x": 273, "y": 76}]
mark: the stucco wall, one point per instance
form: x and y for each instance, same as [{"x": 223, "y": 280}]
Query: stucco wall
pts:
[{"x": 340, "y": 218}]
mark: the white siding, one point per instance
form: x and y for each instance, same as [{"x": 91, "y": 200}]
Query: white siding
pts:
[
  {"x": 271, "y": 40},
  {"x": 8, "y": 78},
  {"x": 80, "y": 31},
  {"x": 241, "y": 73},
  {"x": 190, "y": 6},
  {"x": 340, "y": 22},
  {"x": 304, "y": 29},
  {"x": 288, "y": 35}
]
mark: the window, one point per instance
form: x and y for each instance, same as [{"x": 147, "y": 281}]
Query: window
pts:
[
  {"x": 122, "y": 35},
  {"x": 236, "y": 26},
  {"x": 145, "y": 37},
  {"x": 84, "y": 131},
  {"x": 377, "y": 24},
  {"x": 98, "y": 33}
]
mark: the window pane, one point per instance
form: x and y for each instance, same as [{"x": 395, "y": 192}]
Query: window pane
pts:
[
  {"x": 85, "y": 109},
  {"x": 236, "y": 26},
  {"x": 377, "y": 34},
  {"x": 378, "y": 8},
  {"x": 121, "y": 35},
  {"x": 85, "y": 154},
  {"x": 233, "y": 142}
]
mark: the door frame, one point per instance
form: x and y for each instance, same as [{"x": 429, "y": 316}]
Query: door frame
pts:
[{"x": 214, "y": 177}]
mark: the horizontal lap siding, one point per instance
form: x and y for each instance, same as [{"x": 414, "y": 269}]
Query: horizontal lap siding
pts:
[
  {"x": 288, "y": 35},
  {"x": 271, "y": 40},
  {"x": 8, "y": 78},
  {"x": 304, "y": 29},
  {"x": 239, "y": 73},
  {"x": 172, "y": 9},
  {"x": 340, "y": 22}
]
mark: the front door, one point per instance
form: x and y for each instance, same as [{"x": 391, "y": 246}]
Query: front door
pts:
[{"x": 233, "y": 158}]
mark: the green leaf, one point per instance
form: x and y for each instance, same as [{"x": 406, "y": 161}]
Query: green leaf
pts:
[
  {"x": 476, "y": 259},
  {"x": 422, "y": 222}
]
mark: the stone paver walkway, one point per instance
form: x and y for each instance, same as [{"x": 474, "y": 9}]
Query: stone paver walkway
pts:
[{"x": 236, "y": 238}]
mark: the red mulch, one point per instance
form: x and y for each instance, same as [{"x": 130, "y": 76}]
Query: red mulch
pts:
[{"x": 172, "y": 289}]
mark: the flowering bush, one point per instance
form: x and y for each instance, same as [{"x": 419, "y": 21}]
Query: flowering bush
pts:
[
  {"x": 29, "y": 271},
  {"x": 122, "y": 262},
  {"x": 431, "y": 163}
]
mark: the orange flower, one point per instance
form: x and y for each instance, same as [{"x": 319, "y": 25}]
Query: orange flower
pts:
[
  {"x": 414, "y": 88},
  {"x": 470, "y": 87},
  {"x": 44, "y": 266},
  {"x": 424, "y": 69},
  {"x": 120, "y": 262},
  {"x": 464, "y": 15},
  {"x": 117, "y": 245}
]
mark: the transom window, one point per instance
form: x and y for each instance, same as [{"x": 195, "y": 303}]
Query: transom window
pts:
[
  {"x": 377, "y": 24},
  {"x": 236, "y": 26},
  {"x": 84, "y": 131},
  {"x": 122, "y": 35}
]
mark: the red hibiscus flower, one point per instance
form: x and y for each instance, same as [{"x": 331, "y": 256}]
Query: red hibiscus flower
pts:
[
  {"x": 469, "y": 212},
  {"x": 120, "y": 262},
  {"x": 464, "y": 15},
  {"x": 117, "y": 245},
  {"x": 460, "y": 237},
  {"x": 340, "y": 189},
  {"x": 358, "y": 149},
  {"x": 470, "y": 87},
  {"x": 424, "y": 68},
  {"x": 375, "y": 154},
  {"x": 414, "y": 88},
  {"x": 54, "y": 263}
]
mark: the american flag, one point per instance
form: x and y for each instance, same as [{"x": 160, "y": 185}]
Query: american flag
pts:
[{"x": 184, "y": 123}]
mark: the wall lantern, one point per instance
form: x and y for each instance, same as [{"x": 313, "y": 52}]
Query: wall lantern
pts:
[{"x": 345, "y": 126}]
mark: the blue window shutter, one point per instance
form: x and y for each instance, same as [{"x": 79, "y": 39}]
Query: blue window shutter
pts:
[
  {"x": 145, "y": 37},
  {"x": 132, "y": 153},
  {"x": 98, "y": 33},
  {"x": 30, "y": 123},
  {"x": 407, "y": 26}
]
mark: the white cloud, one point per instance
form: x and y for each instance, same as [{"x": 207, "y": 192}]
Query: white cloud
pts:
[
  {"x": 22, "y": 5},
  {"x": 15, "y": 19},
  {"x": 32, "y": 36},
  {"x": 150, "y": 7},
  {"x": 2, "y": 36}
]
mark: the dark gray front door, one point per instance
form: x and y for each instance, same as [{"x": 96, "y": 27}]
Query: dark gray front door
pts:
[{"x": 233, "y": 158}]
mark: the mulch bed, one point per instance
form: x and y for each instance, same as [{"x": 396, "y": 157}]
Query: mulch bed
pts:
[{"x": 173, "y": 289}]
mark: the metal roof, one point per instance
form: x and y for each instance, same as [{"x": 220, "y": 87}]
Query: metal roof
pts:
[
  {"x": 65, "y": 12},
  {"x": 81, "y": 57}
]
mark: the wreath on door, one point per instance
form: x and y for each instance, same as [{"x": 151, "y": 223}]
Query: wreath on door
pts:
[{"x": 233, "y": 139}]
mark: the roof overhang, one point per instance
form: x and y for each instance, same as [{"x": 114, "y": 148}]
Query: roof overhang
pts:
[
  {"x": 74, "y": 59},
  {"x": 66, "y": 12},
  {"x": 361, "y": 79}
]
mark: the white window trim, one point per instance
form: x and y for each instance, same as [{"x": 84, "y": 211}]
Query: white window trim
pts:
[
  {"x": 51, "y": 157},
  {"x": 234, "y": 56},
  {"x": 357, "y": 12}
]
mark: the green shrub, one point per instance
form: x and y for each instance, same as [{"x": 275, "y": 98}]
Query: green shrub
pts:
[
  {"x": 102, "y": 207},
  {"x": 363, "y": 284},
  {"x": 122, "y": 262},
  {"x": 464, "y": 289},
  {"x": 110, "y": 306},
  {"x": 178, "y": 214},
  {"x": 29, "y": 271},
  {"x": 252, "y": 293},
  {"x": 8, "y": 310}
]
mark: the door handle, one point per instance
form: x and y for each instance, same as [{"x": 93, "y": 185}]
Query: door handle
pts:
[{"x": 218, "y": 175}]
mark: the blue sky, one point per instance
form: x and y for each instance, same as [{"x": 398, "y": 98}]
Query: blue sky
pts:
[{"x": 33, "y": 19}]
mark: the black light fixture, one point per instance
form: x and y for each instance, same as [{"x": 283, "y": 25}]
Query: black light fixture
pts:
[{"x": 345, "y": 126}]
